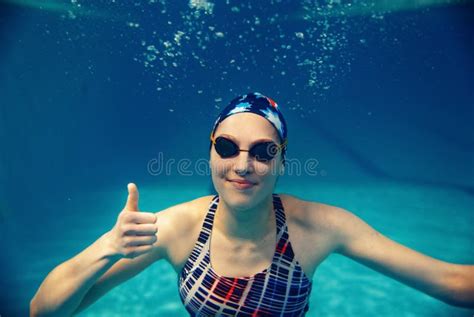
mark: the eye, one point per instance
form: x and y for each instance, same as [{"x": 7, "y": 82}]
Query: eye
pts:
[
  {"x": 265, "y": 151},
  {"x": 225, "y": 147}
]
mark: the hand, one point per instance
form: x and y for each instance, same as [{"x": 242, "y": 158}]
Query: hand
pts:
[{"x": 135, "y": 232}]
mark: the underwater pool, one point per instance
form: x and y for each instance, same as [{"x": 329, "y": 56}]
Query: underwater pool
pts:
[{"x": 377, "y": 93}]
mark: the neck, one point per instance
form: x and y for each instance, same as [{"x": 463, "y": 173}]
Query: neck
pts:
[{"x": 245, "y": 224}]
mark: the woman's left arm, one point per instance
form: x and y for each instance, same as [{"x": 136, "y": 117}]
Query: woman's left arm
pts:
[{"x": 449, "y": 282}]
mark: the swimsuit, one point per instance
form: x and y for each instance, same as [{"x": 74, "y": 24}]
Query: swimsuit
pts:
[{"x": 283, "y": 289}]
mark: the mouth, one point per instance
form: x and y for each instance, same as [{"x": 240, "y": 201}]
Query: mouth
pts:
[{"x": 241, "y": 183}]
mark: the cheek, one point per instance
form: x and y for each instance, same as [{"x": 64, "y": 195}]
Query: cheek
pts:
[
  {"x": 263, "y": 169},
  {"x": 218, "y": 167},
  {"x": 268, "y": 170}
]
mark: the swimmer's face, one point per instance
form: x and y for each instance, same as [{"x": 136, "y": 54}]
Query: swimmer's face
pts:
[{"x": 245, "y": 129}]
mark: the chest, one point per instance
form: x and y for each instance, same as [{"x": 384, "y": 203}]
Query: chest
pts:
[{"x": 236, "y": 259}]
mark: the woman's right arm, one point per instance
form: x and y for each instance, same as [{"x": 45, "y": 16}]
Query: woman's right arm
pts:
[{"x": 116, "y": 256}]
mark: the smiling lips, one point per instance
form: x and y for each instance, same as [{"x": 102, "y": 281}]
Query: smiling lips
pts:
[{"x": 241, "y": 183}]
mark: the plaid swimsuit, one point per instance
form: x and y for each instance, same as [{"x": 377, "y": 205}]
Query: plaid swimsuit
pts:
[{"x": 283, "y": 289}]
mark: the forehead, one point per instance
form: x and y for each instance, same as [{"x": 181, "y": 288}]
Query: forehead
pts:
[{"x": 248, "y": 125}]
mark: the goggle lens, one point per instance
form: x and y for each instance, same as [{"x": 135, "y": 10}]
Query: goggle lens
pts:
[{"x": 263, "y": 151}]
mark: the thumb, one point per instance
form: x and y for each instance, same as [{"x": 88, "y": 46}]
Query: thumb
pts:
[{"x": 132, "y": 200}]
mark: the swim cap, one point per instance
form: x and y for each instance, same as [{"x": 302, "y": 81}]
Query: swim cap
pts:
[{"x": 259, "y": 104}]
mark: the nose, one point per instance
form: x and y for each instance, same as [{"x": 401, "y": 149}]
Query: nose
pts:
[{"x": 242, "y": 163}]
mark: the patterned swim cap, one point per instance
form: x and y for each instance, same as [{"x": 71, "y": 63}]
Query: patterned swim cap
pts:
[{"x": 259, "y": 104}]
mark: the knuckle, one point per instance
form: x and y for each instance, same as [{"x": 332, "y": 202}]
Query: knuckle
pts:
[
  {"x": 126, "y": 216},
  {"x": 128, "y": 242},
  {"x": 122, "y": 215},
  {"x": 123, "y": 228},
  {"x": 146, "y": 240},
  {"x": 131, "y": 229}
]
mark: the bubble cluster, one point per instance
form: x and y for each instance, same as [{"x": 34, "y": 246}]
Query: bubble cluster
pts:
[
  {"x": 202, "y": 5},
  {"x": 306, "y": 46}
]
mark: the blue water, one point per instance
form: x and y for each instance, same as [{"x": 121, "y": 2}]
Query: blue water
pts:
[{"x": 92, "y": 92}]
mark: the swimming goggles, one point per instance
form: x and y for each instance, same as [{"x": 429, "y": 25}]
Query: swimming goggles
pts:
[{"x": 262, "y": 151}]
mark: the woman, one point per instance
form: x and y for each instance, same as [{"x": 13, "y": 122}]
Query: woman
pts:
[{"x": 265, "y": 247}]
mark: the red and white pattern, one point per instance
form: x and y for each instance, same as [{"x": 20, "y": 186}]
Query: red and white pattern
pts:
[{"x": 283, "y": 289}]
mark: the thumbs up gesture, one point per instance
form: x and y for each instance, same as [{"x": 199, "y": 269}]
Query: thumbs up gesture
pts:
[{"x": 135, "y": 232}]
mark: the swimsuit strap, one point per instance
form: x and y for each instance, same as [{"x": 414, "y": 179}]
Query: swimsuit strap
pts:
[{"x": 207, "y": 224}]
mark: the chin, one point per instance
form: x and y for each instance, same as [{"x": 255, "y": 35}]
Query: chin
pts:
[
  {"x": 236, "y": 198},
  {"x": 239, "y": 202}
]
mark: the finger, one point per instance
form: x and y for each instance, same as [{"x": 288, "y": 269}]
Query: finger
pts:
[
  {"x": 134, "y": 252},
  {"x": 132, "y": 200},
  {"x": 141, "y": 230},
  {"x": 139, "y": 217},
  {"x": 142, "y": 240}
]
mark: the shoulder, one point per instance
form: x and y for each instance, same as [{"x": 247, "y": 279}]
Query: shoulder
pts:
[
  {"x": 184, "y": 214},
  {"x": 181, "y": 218},
  {"x": 178, "y": 227},
  {"x": 313, "y": 213},
  {"x": 315, "y": 229},
  {"x": 319, "y": 218}
]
